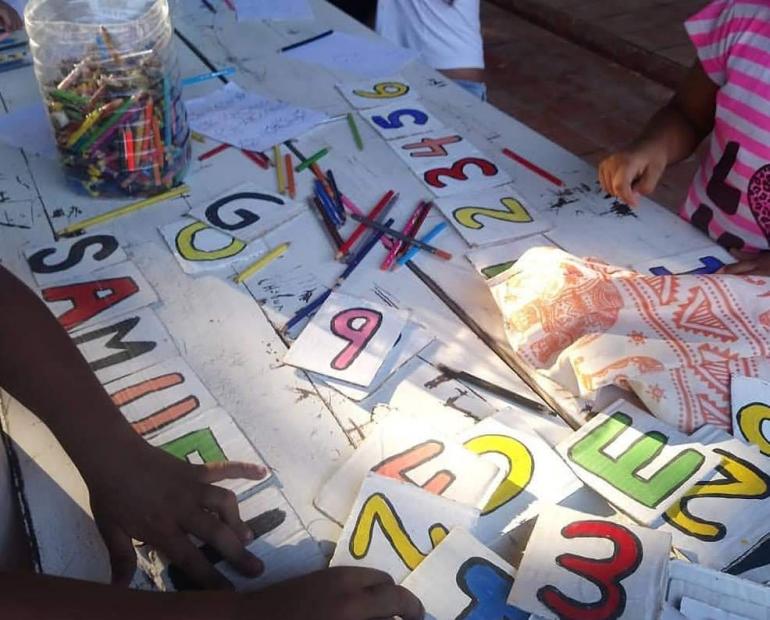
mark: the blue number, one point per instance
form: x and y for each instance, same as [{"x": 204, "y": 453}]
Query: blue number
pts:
[
  {"x": 394, "y": 119},
  {"x": 711, "y": 264},
  {"x": 488, "y": 587}
]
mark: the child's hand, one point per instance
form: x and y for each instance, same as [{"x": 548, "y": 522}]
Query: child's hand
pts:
[
  {"x": 9, "y": 18},
  {"x": 749, "y": 264},
  {"x": 632, "y": 172}
]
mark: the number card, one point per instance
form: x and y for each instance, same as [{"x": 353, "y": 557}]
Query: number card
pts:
[
  {"x": 447, "y": 164},
  {"x": 751, "y": 411},
  {"x": 493, "y": 261},
  {"x": 69, "y": 258},
  {"x": 492, "y": 216},
  {"x": 125, "y": 345},
  {"x": 156, "y": 397},
  {"x": 395, "y": 525},
  {"x": 724, "y": 516},
  {"x": 400, "y": 120},
  {"x": 199, "y": 248},
  {"x": 376, "y": 92},
  {"x": 636, "y": 462},
  {"x": 579, "y": 566},
  {"x": 534, "y": 474},
  {"x": 247, "y": 212},
  {"x": 211, "y": 437},
  {"x": 348, "y": 339},
  {"x": 696, "y": 610},
  {"x": 463, "y": 579},
  {"x": 86, "y": 300},
  {"x": 405, "y": 449},
  {"x": 699, "y": 262}
]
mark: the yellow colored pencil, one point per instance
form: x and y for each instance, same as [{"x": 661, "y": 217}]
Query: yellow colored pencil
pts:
[
  {"x": 279, "y": 169},
  {"x": 263, "y": 262},
  {"x": 120, "y": 212}
]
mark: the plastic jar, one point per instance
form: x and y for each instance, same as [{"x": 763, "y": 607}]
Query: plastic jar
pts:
[{"x": 109, "y": 77}]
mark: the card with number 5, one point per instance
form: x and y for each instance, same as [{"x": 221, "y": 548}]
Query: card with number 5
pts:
[{"x": 399, "y": 120}]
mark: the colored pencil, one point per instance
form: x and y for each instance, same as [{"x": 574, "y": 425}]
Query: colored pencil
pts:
[
  {"x": 159, "y": 152},
  {"x": 261, "y": 263},
  {"x": 356, "y": 134},
  {"x": 209, "y": 6},
  {"x": 197, "y": 137},
  {"x": 215, "y": 151},
  {"x": 203, "y": 77},
  {"x": 327, "y": 203},
  {"x": 387, "y": 199},
  {"x": 167, "y": 112},
  {"x": 336, "y": 196},
  {"x": 279, "y": 177},
  {"x": 367, "y": 246},
  {"x": 111, "y": 123},
  {"x": 314, "y": 167},
  {"x": 421, "y": 217},
  {"x": 313, "y": 159},
  {"x": 258, "y": 158},
  {"x": 505, "y": 354},
  {"x": 327, "y": 222},
  {"x": 533, "y": 167},
  {"x": 427, "y": 238},
  {"x": 306, "y": 41},
  {"x": 121, "y": 211},
  {"x": 290, "y": 180},
  {"x": 230, "y": 4},
  {"x": 402, "y": 237},
  {"x": 350, "y": 205},
  {"x": 396, "y": 247},
  {"x": 314, "y": 305}
]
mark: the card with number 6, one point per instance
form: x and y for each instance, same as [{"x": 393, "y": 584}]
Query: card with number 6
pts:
[{"x": 376, "y": 92}]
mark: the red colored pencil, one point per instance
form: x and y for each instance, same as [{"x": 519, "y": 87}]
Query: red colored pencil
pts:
[
  {"x": 290, "y": 182},
  {"x": 397, "y": 245},
  {"x": 533, "y": 167},
  {"x": 421, "y": 217},
  {"x": 257, "y": 158},
  {"x": 215, "y": 151},
  {"x": 361, "y": 229}
]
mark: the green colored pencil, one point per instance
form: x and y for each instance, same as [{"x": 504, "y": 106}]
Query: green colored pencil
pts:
[
  {"x": 356, "y": 133},
  {"x": 313, "y": 159}
]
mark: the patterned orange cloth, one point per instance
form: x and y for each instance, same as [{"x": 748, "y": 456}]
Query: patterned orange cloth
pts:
[{"x": 673, "y": 340}]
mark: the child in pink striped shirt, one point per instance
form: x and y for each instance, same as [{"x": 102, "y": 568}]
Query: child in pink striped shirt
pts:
[{"x": 726, "y": 97}]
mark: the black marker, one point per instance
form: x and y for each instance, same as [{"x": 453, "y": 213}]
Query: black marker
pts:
[{"x": 306, "y": 41}]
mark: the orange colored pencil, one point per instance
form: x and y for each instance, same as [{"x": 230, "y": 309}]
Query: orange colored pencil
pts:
[{"x": 292, "y": 185}]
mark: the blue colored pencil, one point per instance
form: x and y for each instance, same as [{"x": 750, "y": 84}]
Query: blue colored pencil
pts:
[
  {"x": 328, "y": 203},
  {"x": 427, "y": 238},
  {"x": 367, "y": 246},
  {"x": 203, "y": 77},
  {"x": 337, "y": 196}
]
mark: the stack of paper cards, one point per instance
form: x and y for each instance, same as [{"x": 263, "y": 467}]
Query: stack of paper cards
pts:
[{"x": 349, "y": 339}]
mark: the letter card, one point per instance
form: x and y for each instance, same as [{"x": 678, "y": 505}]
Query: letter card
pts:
[
  {"x": 399, "y": 120},
  {"x": 534, "y": 474},
  {"x": 751, "y": 411},
  {"x": 348, "y": 339},
  {"x": 404, "y": 448},
  {"x": 494, "y": 261},
  {"x": 577, "y": 565},
  {"x": 395, "y": 525},
  {"x": 124, "y": 345},
  {"x": 697, "y": 610},
  {"x": 55, "y": 262},
  {"x": 492, "y": 216},
  {"x": 462, "y": 579},
  {"x": 725, "y": 515},
  {"x": 211, "y": 437},
  {"x": 158, "y": 396},
  {"x": 636, "y": 462},
  {"x": 86, "y": 300},
  {"x": 448, "y": 164},
  {"x": 199, "y": 248},
  {"x": 246, "y": 212},
  {"x": 375, "y": 92}
]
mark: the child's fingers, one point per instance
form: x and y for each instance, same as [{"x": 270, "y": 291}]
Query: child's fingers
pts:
[{"x": 621, "y": 185}]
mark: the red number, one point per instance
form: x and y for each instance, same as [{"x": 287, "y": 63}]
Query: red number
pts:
[
  {"x": 457, "y": 171},
  {"x": 605, "y": 573},
  {"x": 399, "y": 465}
]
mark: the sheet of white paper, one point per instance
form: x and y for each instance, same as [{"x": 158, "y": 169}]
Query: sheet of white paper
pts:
[
  {"x": 696, "y": 610},
  {"x": 365, "y": 94},
  {"x": 399, "y": 120},
  {"x": 247, "y": 120},
  {"x": 349, "y": 339},
  {"x": 362, "y": 56},
  {"x": 461, "y": 578},
  {"x": 55, "y": 262},
  {"x": 751, "y": 411},
  {"x": 157, "y": 397},
  {"x": 533, "y": 475},
  {"x": 492, "y": 216},
  {"x": 198, "y": 248},
  {"x": 247, "y": 212},
  {"x": 705, "y": 261},
  {"x": 393, "y": 526},
  {"x": 27, "y": 127},
  {"x": 405, "y": 448},
  {"x": 273, "y": 10},
  {"x": 83, "y": 301},
  {"x": 125, "y": 345},
  {"x": 495, "y": 260},
  {"x": 571, "y": 553},
  {"x": 638, "y": 463}
]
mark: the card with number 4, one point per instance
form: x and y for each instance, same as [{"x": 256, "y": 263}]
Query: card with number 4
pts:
[{"x": 377, "y": 92}]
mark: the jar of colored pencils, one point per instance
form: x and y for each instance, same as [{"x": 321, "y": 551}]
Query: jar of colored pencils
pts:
[{"x": 109, "y": 76}]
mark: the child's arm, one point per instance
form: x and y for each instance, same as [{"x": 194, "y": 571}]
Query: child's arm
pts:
[
  {"x": 671, "y": 135},
  {"x": 9, "y": 18}
]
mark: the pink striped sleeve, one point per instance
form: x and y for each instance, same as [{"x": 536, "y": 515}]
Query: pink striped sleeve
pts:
[{"x": 712, "y": 35}]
